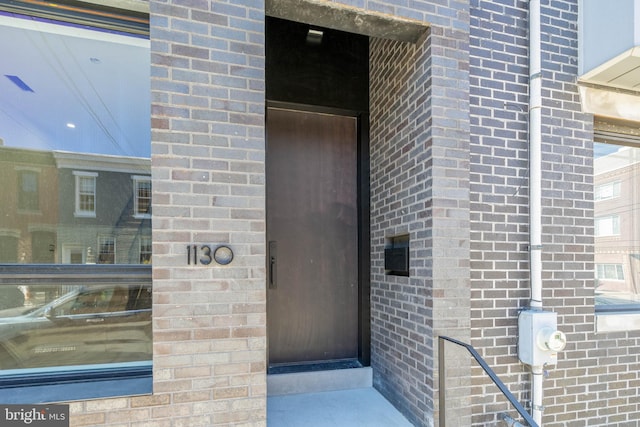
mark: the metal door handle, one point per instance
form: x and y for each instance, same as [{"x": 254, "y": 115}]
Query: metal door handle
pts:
[{"x": 273, "y": 265}]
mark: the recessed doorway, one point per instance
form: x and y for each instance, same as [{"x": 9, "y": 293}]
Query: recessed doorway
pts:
[{"x": 317, "y": 198}]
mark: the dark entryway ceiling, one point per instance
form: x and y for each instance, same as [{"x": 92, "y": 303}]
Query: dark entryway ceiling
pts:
[{"x": 333, "y": 72}]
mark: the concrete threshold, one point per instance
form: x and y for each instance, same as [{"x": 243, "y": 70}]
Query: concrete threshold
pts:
[
  {"x": 318, "y": 381},
  {"x": 337, "y": 398}
]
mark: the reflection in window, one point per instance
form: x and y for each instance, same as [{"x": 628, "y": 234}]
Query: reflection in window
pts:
[
  {"x": 28, "y": 192},
  {"x": 145, "y": 250},
  {"x": 73, "y": 325},
  {"x": 609, "y": 271},
  {"x": 142, "y": 196},
  {"x": 608, "y": 225},
  {"x": 107, "y": 252},
  {"x": 85, "y": 193},
  {"x": 608, "y": 190},
  {"x": 74, "y": 131},
  {"x": 617, "y": 226},
  {"x": 8, "y": 247},
  {"x": 75, "y": 257},
  {"x": 75, "y": 148}
]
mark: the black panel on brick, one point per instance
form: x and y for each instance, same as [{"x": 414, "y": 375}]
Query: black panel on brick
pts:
[{"x": 333, "y": 73}]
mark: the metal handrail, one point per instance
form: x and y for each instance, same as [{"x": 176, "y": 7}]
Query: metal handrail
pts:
[{"x": 487, "y": 369}]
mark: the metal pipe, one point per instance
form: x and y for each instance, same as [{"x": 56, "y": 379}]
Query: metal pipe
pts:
[
  {"x": 535, "y": 189},
  {"x": 535, "y": 158},
  {"x": 442, "y": 372},
  {"x": 537, "y": 393}
]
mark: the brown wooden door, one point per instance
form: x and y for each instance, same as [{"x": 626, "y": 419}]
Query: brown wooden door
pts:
[{"x": 312, "y": 234}]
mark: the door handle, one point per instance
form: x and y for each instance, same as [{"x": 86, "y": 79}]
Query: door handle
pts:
[{"x": 273, "y": 264}]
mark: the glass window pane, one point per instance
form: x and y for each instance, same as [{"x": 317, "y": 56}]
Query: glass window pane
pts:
[
  {"x": 28, "y": 191},
  {"x": 145, "y": 250},
  {"x": 142, "y": 196},
  {"x": 86, "y": 194},
  {"x": 74, "y": 132},
  {"x": 73, "y": 325},
  {"x": 107, "y": 252},
  {"x": 617, "y": 225}
]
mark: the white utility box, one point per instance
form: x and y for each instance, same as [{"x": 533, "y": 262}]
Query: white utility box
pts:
[{"x": 539, "y": 339}]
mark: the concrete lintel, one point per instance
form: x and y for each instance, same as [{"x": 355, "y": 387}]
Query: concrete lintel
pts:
[{"x": 346, "y": 18}]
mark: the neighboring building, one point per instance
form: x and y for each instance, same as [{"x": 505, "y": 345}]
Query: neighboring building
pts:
[
  {"x": 335, "y": 184},
  {"x": 70, "y": 196},
  {"x": 114, "y": 225},
  {"x": 29, "y": 206}
]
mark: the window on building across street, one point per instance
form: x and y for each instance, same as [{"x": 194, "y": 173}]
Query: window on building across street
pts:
[
  {"x": 75, "y": 201},
  {"x": 617, "y": 235},
  {"x": 608, "y": 225},
  {"x": 107, "y": 252},
  {"x": 609, "y": 272},
  {"x": 608, "y": 190},
  {"x": 142, "y": 196},
  {"x": 145, "y": 250},
  {"x": 28, "y": 195},
  {"x": 85, "y": 193}
]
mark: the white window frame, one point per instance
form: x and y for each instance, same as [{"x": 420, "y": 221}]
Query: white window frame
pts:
[
  {"x": 79, "y": 212},
  {"x": 614, "y": 225},
  {"x": 607, "y": 191},
  {"x": 609, "y": 267},
  {"x": 137, "y": 179},
  {"x": 101, "y": 240},
  {"x": 144, "y": 243}
]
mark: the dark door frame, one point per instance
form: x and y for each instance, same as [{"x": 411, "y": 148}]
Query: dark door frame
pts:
[{"x": 364, "y": 222}]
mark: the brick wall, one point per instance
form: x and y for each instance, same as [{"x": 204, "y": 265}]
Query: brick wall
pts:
[
  {"x": 451, "y": 175},
  {"x": 596, "y": 379},
  {"x": 499, "y": 198},
  {"x": 419, "y": 186},
  {"x": 208, "y": 181}
]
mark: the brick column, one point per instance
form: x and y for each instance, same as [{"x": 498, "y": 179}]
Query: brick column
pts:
[
  {"x": 208, "y": 182},
  {"x": 420, "y": 187}
]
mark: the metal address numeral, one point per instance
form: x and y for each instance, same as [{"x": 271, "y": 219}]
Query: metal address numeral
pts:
[
  {"x": 223, "y": 255},
  {"x": 206, "y": 258}
]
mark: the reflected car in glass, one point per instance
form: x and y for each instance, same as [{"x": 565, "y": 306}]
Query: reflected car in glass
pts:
[{"x": 88, "y": 325}]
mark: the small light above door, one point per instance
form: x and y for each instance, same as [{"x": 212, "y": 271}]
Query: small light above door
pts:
[{"x": 314, "y": 37}]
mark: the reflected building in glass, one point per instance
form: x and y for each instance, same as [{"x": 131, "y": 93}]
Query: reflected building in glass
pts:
[
  {"x": 617, "y": 224},
  {"x": 74, "y": 208}
]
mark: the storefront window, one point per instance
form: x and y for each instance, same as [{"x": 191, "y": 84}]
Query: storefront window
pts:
[
  {"x": 617, "y": 227},
  {"x": 74, "y": 142},
  {"x": 75, "y": 199},
  {"x": 81, "y": 325}
]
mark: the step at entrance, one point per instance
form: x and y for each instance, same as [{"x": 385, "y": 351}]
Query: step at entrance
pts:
[{"x": 319, "y": 381}]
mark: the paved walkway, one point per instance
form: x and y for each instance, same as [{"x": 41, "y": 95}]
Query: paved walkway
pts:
[{"x": 363, "y": 407}]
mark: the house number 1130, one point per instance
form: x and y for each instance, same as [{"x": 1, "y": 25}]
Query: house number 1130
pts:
[{"x": 204, "y": 255}]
